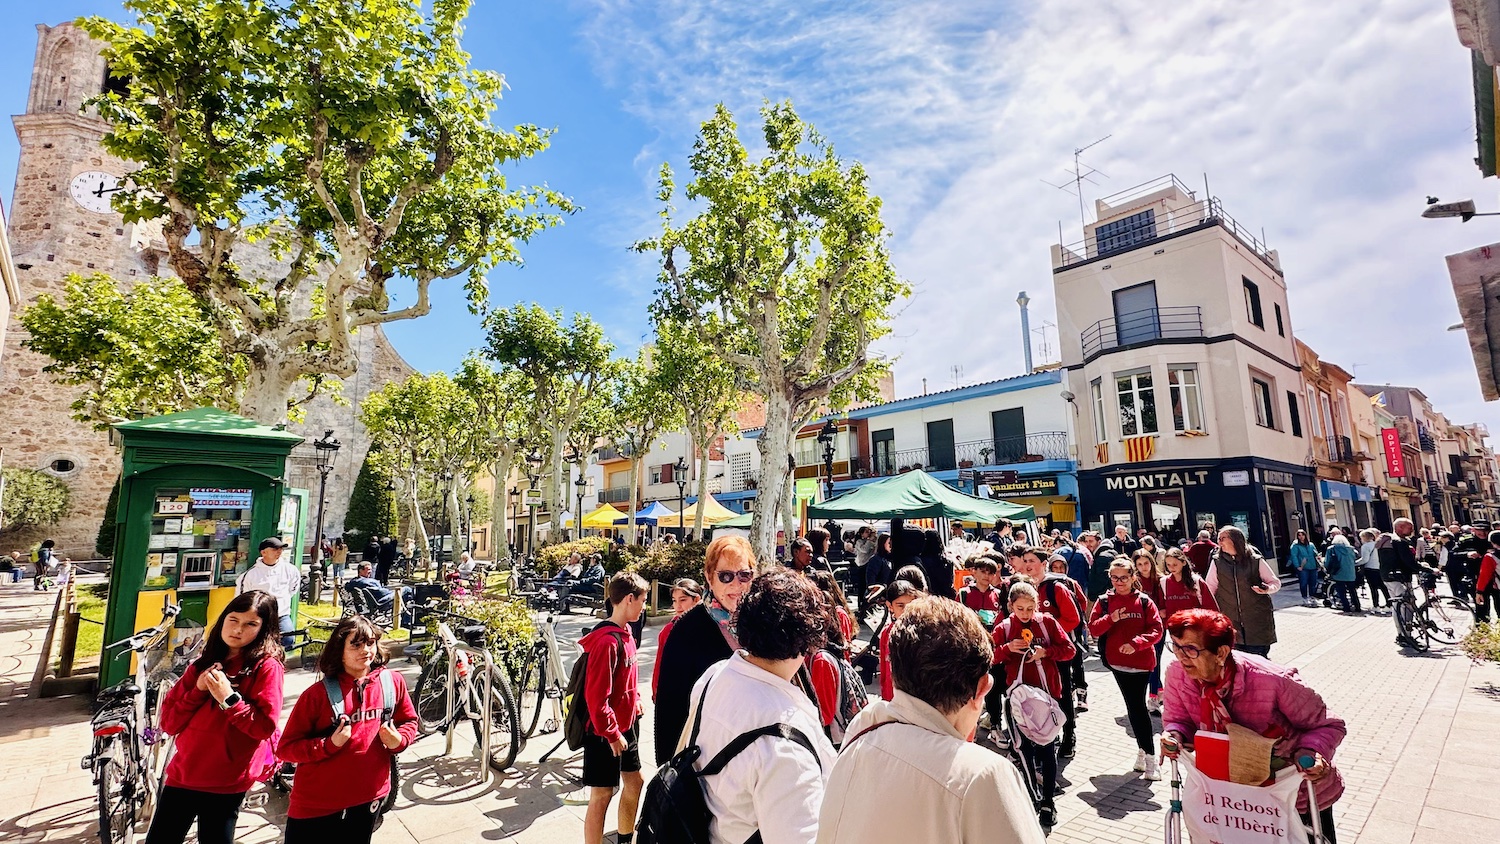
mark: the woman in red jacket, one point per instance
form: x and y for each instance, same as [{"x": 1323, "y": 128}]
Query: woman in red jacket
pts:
[
  {"x": 1031, "y": 645},
  {"x": 1179, "y": 589},
  {"x": 222, "y": 711},
  {"x": 1128, "y": 626},
  {"x": 1487, "y": 585},
  {"x": 344, "y": 763}
]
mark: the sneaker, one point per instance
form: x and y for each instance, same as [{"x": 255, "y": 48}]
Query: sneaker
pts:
[
  {"x": 984, "y": 721},
  {"x": 1153, "y": 705},
  {"x": 1081, "y": 700},
  {"x": 1046, "y": 814},
  {"x": 1152, "y": 771},
  {"x": 1068, "y": 748},
  {"x": 1142, "y": 759}
]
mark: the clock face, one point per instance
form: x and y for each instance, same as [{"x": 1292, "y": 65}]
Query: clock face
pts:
[{"x": 93, "y": 189}]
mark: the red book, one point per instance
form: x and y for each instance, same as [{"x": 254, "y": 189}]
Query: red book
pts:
[{"x": 1211, "y": 754}]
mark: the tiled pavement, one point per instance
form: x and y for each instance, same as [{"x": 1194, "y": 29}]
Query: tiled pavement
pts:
[{"x": 1424, "y": 732}]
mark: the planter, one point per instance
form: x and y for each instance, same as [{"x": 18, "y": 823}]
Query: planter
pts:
[{"x": 965, "y": 464}]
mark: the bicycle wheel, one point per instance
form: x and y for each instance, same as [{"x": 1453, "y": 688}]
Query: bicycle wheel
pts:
[
  {"x": 530, "y": 694},
  {"x": 390, "y": 797},
  {"x": 1413, "y": 630},
  {"x": 1448, "y": 620},
  {"x": 117, "y": 800},
  {"x": 431, "y": 695},
  {"x": 505, "y": 724}
]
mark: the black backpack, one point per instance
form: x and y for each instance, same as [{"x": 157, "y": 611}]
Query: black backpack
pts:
[
  {"x": 576, "y": 719},
  {"x": 852, "y": 695},
  {"x": 674, "y": 809}
]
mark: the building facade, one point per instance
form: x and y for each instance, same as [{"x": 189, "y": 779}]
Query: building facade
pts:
[
  {"x": 1344, "y": 494},
  {"x": 1177, "y": 341}
]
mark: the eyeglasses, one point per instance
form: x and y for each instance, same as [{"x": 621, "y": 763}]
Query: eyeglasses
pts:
[
  {"x": 1120, "y": 578},
  {"x": 744, "y": 576},
  {"x": 1186, "y": 651}
]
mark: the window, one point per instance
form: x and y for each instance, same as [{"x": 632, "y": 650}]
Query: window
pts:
[
  {"x": 1294, "y": 413},
  {"x": 62, "y": 466},
  {"x": 884, "y": 451},
  {"x": 1326, "y": 405},
  {"x": 1280, "y": 326},
  {"x": 1137, "y": 403},
  {"x": 1312, "y": 412},
  {"x": 1137, "y": 318},
  {"x": 940, "y": 447},
  {"x": 1187, "y": 403},
  {"x": 656, "y": 474},
  {"x": 1252, "y": 303},
  {"x": 1101, "y": 431},
  {"x": 739, "y": 471},
  {"x": 1265, "y": 408},
  {"x": 1125, "y": 232}
]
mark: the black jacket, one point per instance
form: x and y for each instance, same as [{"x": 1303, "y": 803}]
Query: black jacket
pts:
[
  {"x": 696, "y": 644},
  {"x": 1398, "y": 557}
]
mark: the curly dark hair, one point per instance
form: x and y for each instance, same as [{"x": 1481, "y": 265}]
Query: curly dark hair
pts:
[{"x": 782, "y": 616}]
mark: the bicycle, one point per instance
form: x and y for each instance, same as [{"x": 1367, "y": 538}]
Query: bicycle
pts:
[
  {"x": 130, "y": 751},
  {"x": 1441, "y": 618},
  {"x": 431, "y": 694},
  {"x": 542, "y": 678}
]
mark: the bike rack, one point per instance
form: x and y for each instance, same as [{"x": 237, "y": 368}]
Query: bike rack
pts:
[{"x": 454, "y": 648}]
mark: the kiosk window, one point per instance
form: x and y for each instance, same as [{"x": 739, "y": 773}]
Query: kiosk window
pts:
[{"x": 200, "y": 538}]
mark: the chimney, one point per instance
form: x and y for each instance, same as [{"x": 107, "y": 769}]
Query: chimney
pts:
[
  {"x": 924, "y": 386},
  {"x": 1023, "y": 301}
]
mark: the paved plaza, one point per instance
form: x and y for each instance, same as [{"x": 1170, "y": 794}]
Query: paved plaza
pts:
[{"x": 1424, "y": 731}]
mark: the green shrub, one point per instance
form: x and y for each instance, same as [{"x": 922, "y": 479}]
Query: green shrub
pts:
[
  {"x": 372, "y": 504},
  {"x": 1483, "y": 642},
  {"x": 550, "y": 559},
  {"x": 668, "y": 563},
  {"x": 104, "y": 541},
  {"x": 509, "y": 625}
]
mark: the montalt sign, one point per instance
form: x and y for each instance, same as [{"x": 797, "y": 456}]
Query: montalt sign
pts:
[{"x": 1158, "y": 480}]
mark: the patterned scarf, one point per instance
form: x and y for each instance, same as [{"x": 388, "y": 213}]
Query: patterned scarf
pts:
[
  {"x": 1213, "y": 714},
  {"x": 725, "y": 618}
]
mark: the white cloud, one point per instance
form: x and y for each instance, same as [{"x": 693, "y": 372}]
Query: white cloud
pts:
[{"x": 1325, "y": 123}]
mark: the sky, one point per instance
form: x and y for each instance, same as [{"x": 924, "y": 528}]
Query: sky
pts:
[{"x": 1325, "y": 124}]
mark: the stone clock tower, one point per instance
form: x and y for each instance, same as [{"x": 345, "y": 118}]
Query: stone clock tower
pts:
[{"x": 61, "y": 223}]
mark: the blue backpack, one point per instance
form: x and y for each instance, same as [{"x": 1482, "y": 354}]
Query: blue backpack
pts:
[{"x": 387, "y": 696}]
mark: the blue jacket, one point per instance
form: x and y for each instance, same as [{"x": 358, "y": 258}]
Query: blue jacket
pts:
[
  {"x": 1342, "y": 562},
  {"x": 1304, "y": 556}
]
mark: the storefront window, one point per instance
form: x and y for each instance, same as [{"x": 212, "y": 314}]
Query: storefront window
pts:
[
  {"x": 1137, "y": 404},
  {"x": 199, "y": 538}
]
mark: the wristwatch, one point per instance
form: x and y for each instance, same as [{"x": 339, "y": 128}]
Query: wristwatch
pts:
[{"x": 231, "y": 700}]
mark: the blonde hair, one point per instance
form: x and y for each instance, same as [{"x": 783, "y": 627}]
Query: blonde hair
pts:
[
  {"x": 1021, "y": 588},
  {"x": 725, "y": 545}
]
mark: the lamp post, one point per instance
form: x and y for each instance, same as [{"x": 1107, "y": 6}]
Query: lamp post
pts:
[
  {"x": 469, "y": 521},
  {"x": 827, "y": 436},
  {"x": 325, "y": 452},
  {"x": 582, "y": 483},
  {"x": 533, "y": 474},
  {"x": 446, "y": 523},
  {"x": 679, "y": 474},
  {"x": 515, "y": 520},
  {"x": 390, "y": 512}
]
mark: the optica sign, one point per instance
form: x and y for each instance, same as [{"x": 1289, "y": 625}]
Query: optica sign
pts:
[{"x": 1395, "y": 461}]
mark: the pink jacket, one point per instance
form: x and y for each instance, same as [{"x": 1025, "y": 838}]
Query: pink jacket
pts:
[{"x": 1264, "y": 696}]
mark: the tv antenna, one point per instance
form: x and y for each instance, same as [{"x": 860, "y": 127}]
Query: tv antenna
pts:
[
  {"x": 1081, "y": 173},
  {"x": 1046, "y": 346},
  {"x": 957, "y": 373}
]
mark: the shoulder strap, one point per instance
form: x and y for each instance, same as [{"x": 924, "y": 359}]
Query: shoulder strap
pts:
[
  {"x": 870, "y": 729},
  {"x": 698, "y": 715},
  {"x": 387, "y": 695},
  {"x": 744, "y": 740},
  {"x": 335, "y": 696}
]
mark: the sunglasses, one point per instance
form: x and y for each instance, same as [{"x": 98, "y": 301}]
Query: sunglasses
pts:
[{"x": 744, "y": 576}]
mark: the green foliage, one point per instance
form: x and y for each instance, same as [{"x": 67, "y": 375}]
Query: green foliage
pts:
[
  {"x": 147, "y": 352},
  {"x": 33, "y": 499},
  {"x": 372, "y": 503},
  {"x": 352, "y": 139},
  {"x": 1483, "y": 642},
  {"x": 509, "y": 625},
  {"x": 667, "y": 563},
  {"x": 551, "y": 558},
  {"x": 104, "y": 542}
]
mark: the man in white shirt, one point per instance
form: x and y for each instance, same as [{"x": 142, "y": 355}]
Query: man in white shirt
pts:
[
  {"x": 281, "y": 580},
  {"x": 908, "y": 771},
  {"x": 775, "y": 785}
]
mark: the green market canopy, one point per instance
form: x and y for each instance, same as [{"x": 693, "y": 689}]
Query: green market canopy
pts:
[{"x": 916, "y": 495}]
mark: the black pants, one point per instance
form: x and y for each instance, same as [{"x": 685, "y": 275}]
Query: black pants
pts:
[
  {"x": 994, "y": 701},
  {"x": 1133, "y": 688},
  {"x": 1074, "y": 667},
  {"x": 857, "y": 583},
  {"x": 1069, "y": 707},
  {"x": 1483, "y": 602},
  {"x": 177, "y": 808},
  {"x": 1325, "y": 819},
  {"x": 1347, "y": 592},
  {"x": 1042, "y": 759},
  {"x": 1458, "y": 581},
  {"x": 1377, "y": 587},
  {"x": 354, "y": 825}
]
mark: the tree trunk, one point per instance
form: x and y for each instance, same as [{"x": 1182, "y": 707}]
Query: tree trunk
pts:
[
  {"x": 554, "y": 483},
  {"x": 499, "y": 471},
  {"x": 635, "y": 469},
  {"x": 775, "y": 445},
  {"x": 702, "y": 493},
  {"x": 415, "y": 508},
  {"x": 267, "y": 388}
]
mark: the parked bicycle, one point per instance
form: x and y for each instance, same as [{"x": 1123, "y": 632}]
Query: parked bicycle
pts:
[
  {"x": 1437, "y": 618},
  {"x": 541, "y": 679},
  {"x": 434, "y": 713},
  {"x": 130, "y": 751}
]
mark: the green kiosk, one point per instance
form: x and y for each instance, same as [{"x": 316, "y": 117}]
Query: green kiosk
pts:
[{"x": 199, "y": 490}]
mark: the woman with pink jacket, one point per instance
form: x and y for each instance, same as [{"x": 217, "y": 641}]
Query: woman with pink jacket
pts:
[{"x": 1211, "y": 686}]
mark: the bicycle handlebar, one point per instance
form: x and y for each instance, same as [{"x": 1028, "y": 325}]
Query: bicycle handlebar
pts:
[{"x": 139, "y": 641}]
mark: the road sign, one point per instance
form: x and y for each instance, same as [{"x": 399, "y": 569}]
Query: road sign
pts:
[{"x": 532, "y": 497}]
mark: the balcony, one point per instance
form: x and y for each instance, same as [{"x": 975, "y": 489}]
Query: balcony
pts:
[
  {"x": 1145, "y": 326},
  {"x": 615, "y": 495},
  {"x": 1340, "y": 450},
  {"x": 1426, "y": 440},
  {"x": 1043, "y": 445},
  {"x": 613, "y": 452},
  {"x": 1156, "y": 222}
]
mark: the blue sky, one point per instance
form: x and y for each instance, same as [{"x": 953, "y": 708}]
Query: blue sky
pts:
[{"x": 1325, "y": 124}]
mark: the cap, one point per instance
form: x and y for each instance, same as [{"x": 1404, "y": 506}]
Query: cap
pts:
[{"x": 272, "y": 542}]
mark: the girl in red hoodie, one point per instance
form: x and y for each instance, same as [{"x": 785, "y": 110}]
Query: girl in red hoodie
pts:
[
  {"x": 344, "y": 766},
  {"x": 1128, "y": 626},
  {"x": 222, "y": 711},
  {"x": 1031, "y": 645}
]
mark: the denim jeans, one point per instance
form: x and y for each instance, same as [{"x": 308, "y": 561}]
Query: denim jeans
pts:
[
  {"x": 1307, "y": 580},
  {"x": 286, "y": 628}
]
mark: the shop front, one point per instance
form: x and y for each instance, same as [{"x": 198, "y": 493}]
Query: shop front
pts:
[
  {"x": 1346, "y": 505},
  {"x": 1268, "y": 500}
]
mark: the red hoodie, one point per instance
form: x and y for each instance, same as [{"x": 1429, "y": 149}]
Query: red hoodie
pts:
[
  {"x": 661, "y": 642},
  {"x": 331, "y": 779},
  {"x": 1045, "y": 631},
  {"x": 1486, "y": 577},
  {"x": 887, "y": 683},
  {"x": 1176, "y": 597},
  {"x": 1064, "y": 611},
  {"x": 610, "y": 686},
  {"x": 216, "y": 746},
  {"x": 1139, "y": 625}
]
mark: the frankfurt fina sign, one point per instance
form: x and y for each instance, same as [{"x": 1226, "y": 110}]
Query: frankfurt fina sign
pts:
[{"x": 1158, "y": 480}]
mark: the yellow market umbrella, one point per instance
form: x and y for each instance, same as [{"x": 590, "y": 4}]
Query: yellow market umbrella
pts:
[
  {"x": 604, "y": 517},
  {"x": 713, "y": 513}
]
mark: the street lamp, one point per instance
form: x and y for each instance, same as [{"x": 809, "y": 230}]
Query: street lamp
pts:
[
  {"x": 515, "y": 518},
  {"x": 469, "y": 531},
  {"x": 447, "y": 521},
  {"x": 390, "y": 512},
  {"x": 533, "y": 474},
  {"x": 1463, "y": 209},
  {"x": 325, "y": 452},
  {"x": 827, "y": 436},
  {"x": 679, "y": 474},
  {"x": 582, "y": 483}
]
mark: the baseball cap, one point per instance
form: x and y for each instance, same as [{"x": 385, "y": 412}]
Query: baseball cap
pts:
[{"x": 272, "y": 542}]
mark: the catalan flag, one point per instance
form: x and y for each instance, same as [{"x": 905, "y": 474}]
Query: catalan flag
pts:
[
  {"x": 1138, "y": 449},
  {"x": 1101, "y": 453}
]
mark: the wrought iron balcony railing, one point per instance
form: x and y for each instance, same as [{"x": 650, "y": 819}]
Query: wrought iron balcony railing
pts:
[{"x": 1142, "y": 326}]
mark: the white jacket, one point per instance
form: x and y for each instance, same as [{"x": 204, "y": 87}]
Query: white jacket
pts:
[
  {"x": 918, "y": 780},
  {"x": 282, "y": 580},
  {"x": 775, "y": 785}
]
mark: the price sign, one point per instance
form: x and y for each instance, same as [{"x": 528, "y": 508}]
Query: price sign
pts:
[{"x": 173, "y": 507}]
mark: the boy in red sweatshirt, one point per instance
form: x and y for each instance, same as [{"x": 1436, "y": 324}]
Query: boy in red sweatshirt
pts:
[{"x": 611, "y": 695}]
